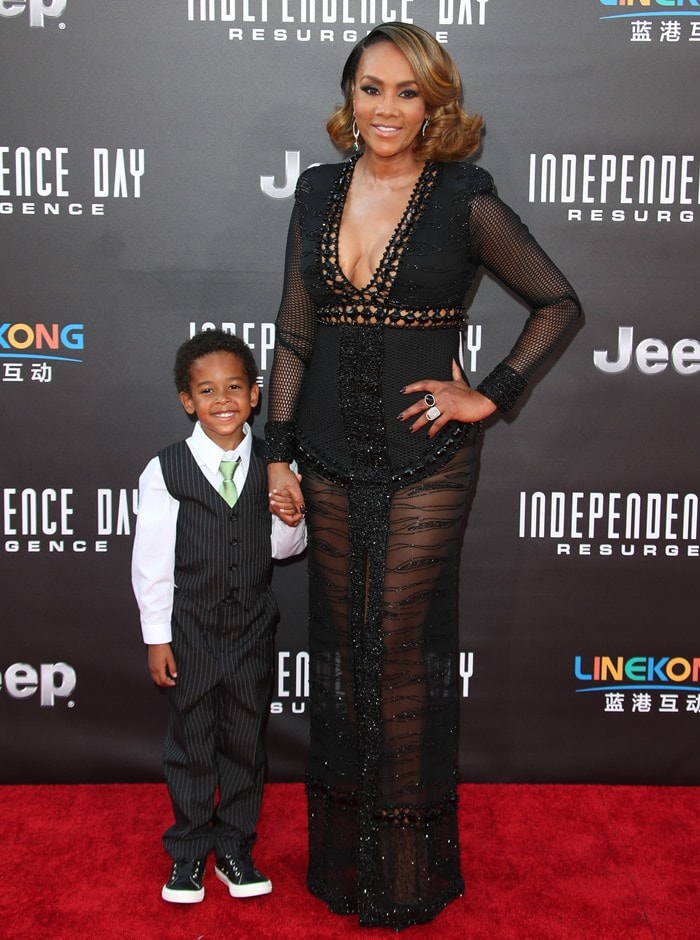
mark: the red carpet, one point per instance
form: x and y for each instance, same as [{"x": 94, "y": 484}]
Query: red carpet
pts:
[{"x": 539, "y": 861}]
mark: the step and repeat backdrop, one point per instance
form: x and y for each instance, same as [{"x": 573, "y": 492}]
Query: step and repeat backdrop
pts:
[{"x": 148, "y": 157}]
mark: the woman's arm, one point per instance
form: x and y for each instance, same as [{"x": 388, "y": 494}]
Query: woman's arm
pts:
[
  {"x": 294, "y": 341},
  {"x": 503, "y": 244}
]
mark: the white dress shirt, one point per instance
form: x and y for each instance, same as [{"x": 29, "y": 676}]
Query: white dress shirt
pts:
[{"x": 153, "y": 558}]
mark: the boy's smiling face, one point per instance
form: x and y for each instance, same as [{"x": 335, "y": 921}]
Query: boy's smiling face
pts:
[{"x": 221, "y": 397}]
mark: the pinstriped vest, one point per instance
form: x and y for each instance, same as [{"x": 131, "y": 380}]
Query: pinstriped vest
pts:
[{"x": 222, "y": 554}]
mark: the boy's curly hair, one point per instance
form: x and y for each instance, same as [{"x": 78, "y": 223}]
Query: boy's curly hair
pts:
[{"x": 211, "y": 341}]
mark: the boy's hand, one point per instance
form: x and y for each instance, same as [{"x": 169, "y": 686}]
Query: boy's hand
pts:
[
  {"x": 283, "y": 487},
  {"x": 161, "y": 664},
  {"x": 282, "y": 504}
]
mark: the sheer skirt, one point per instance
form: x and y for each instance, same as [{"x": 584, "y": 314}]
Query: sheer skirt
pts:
[{"x": 381, "y": 780}]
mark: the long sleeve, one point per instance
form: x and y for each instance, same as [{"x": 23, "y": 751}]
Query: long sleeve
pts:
[
  {"x": 294, "y": 342},
  {"x": 153, "y": 558},
  {"x": 503, "y": 244}
]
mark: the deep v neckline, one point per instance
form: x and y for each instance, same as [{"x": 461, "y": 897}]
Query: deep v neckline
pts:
[{"x": 397, "y": 241}]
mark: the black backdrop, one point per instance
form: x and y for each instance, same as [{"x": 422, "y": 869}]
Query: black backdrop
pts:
[{"x": 148, "y": 152}]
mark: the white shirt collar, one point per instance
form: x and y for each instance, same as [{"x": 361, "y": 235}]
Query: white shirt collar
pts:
[{"x": 210, "y": 455}]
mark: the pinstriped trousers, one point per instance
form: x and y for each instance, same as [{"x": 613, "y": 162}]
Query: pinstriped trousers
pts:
[{"x": 218, "y": 711}]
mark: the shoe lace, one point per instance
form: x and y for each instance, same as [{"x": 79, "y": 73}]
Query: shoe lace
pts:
[
  {"x": 190, "y": 867},
  {"x": 242, "y": 865}
]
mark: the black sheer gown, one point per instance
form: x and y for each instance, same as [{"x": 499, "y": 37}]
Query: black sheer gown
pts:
[{"x": 385, "y": 510}]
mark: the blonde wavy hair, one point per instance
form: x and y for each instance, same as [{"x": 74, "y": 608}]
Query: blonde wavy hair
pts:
[{"x": 451, "y": 134}]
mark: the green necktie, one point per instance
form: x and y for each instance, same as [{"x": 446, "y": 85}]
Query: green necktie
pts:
[{"x": 228, "y": 490}]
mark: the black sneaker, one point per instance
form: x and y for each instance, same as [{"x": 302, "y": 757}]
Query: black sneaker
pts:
[
  {"x": 185, "y": 883},
  {"x": 242, "y": 877}
]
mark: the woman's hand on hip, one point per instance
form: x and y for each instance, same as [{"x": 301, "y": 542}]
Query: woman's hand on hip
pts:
[{"x": 445, "y": 401}]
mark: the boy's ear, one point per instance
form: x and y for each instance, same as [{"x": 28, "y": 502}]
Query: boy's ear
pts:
[
  {"x": 254, "y": 395},
  {"x": 187, "y": 402}
]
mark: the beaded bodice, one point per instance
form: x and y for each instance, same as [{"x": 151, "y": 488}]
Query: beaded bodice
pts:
[
  {"x": 453, "y": 224},
  {"x": 371, "y": 304}
]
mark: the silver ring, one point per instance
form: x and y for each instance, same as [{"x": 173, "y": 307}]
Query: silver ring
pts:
[
  {"x": 429, "y": 400},
  {"x": 433, "y": 413}
]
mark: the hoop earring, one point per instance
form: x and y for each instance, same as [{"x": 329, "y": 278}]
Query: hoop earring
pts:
[
  {"x": 355, "y": 134},
  {"x": 425, "y": 126}
]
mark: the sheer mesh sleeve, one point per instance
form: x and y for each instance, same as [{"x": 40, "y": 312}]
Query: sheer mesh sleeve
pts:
[
  {"x": 294, "y": 341},
  {"x": 503, "y": 244}
]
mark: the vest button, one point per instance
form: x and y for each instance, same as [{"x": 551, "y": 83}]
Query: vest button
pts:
[{"x": 232, "y": 567}]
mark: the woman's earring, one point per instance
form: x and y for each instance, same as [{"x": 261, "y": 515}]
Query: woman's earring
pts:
[
  {"x": 425, "y": 126},
  {"x": 355, "y": 134}
]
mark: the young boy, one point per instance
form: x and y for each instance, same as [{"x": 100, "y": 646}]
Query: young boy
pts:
[{"x": 201, "y": 572}]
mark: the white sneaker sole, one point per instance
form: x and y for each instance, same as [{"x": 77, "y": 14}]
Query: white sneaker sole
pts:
[
  {"x": 244, "y": 891},
  {"x": 182, "y": 897}
]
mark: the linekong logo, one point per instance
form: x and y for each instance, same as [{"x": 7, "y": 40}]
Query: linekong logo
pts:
[
  {"x": 662, "y": 7},
  {"x": 604, "y": 673},
  {"x": 44, "y": 340}
]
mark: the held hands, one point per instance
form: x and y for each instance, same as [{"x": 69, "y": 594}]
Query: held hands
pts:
[
  {"x": 455, "y": 401},
  {"x": 161, "y": 664},
  {"x": 286, "y": 500}
]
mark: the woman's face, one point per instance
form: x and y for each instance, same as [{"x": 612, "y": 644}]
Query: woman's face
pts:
[{"x": 389, "y": 108}]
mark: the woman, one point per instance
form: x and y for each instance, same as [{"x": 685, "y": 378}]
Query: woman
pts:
[{"x": 366, "y": 392}]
